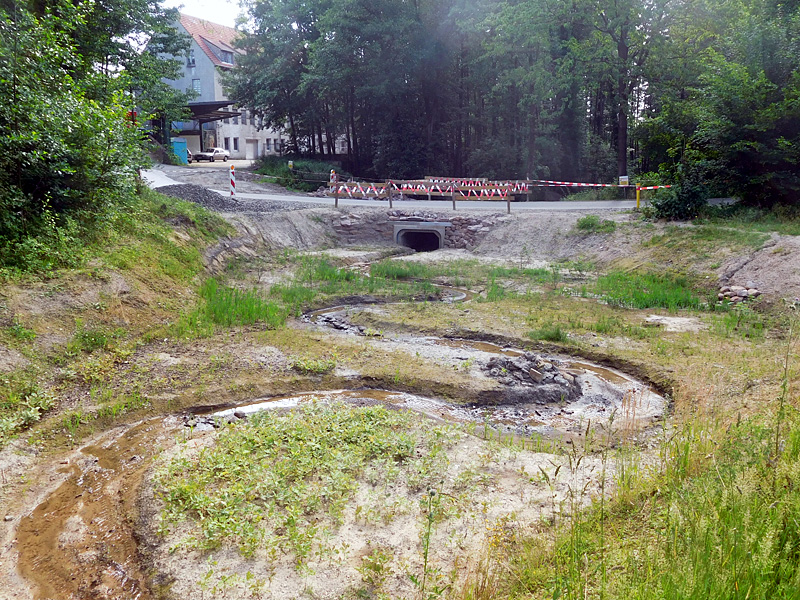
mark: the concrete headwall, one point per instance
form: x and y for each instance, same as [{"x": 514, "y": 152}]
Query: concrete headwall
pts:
[{"x": 466, "y": 231}]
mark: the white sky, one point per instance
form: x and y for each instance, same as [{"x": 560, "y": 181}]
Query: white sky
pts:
[{"x": 223, "y": 12}]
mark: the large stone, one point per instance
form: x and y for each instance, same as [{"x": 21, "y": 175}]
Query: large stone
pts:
[{"x": 537, "y": 376}]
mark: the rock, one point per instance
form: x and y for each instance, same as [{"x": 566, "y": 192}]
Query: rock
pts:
[
  {"x": 8, "y": 518},
  {"x": 736, "y": 289},
  {"x": 753, "y": 293},
  {"x": 537, "y": 376},
  {"x": 720, "y": 296},
  {"x": 751, "y": 284},
  {"x": 570, "y": 379},
  {"x": 737, "y": 299},
  {"x": 743, "y": 293},
  {"x": 725, "y": 288}
]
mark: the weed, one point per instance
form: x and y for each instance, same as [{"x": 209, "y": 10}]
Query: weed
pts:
[
  {"x": 593, "y": 224},
  {"x": 395, "y": 269},
  {"x": 550, "y": 333},
  {"x": 20, "y": 332},
  {"x": 229, "y": 306},
  {"x": 648, "y": 290},
  {"x": 311, "y": 365},
  {"x": 279, "y": 478}
]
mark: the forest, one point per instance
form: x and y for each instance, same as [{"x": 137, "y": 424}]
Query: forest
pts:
[{"x": 704, "y": 92}]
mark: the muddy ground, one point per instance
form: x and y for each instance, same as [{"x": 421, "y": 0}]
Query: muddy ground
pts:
[{"x": 79, "y": 520}]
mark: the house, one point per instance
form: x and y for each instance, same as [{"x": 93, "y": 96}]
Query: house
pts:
[{"x": 221, "y": 123}]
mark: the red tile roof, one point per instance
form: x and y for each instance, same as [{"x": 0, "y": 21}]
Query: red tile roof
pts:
[{"x": 205, "y": 32}]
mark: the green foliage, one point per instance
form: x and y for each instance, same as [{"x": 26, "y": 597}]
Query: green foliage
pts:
[
  {"x": 549, "y": 333},
  {"x": 70, "y": 149},
  {"x": 781, "y": 218},
  {"x": 396, "y": 269},
  {"x": 305, "y": 175},
  {"x": 593, "y": 224},
  {"x": 22, "y": 403},
  {"x": 309, "y": 365},
  {"x": 683, "y": 200},
  {"x": 281, "y": 479},
  {"x": 728, "y": 531},
  {"x": 647, "y": 290},
  {"x": 229, "y": 306}
]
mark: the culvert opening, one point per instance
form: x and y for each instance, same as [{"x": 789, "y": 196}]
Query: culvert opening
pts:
[{"x": 421, "y": 241}]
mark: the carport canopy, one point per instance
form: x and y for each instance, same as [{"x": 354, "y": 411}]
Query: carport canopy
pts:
[{"x": 207, "y": 112}]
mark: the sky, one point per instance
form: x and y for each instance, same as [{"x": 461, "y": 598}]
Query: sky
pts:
[{"x": 223, "y": 12}]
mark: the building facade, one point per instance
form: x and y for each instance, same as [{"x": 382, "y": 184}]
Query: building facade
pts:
[{"x": 217, "y": 122}]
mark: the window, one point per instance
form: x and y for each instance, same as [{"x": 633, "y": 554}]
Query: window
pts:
[
  {"x": 190, "y": 59},
  {"x": 227, "y": 121},
  {"x": 227, "y": 143},
  {"x": 235, "y": 144},
  {"x": 267, "y": 144},
  {"x": 227, "y": 57},
  {"x": 236, "y": 120},
  {"x": 196, "y": 85},
  {"x": 252, "y": 119}
]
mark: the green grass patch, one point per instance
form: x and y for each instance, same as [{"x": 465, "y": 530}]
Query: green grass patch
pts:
[
  {"x": 551, "y": 332},
  {"x": 539, "y": 275},
  {"x": 399, "y": 269},
  {"x": 649, "y": 290},
  {"x": 281, "y": 480},
  {"x": 728, "y": 529},
  {"x": 781, "y": 218},
  {"x": 230, "y": 307},
  {"x": 707, "y": 237},
  {"x": 593, "y": 224}
]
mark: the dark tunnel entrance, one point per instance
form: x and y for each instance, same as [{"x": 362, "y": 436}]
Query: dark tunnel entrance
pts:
[{"x": 421, "y": 241}]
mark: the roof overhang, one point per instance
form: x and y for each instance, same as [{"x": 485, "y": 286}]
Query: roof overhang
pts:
[{"x": 206, "y": 112}]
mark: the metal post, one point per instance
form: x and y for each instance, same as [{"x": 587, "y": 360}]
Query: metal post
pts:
[
  {"x": 454, "y": 196},
  {"x": 389, "y": 191},
  {"x": 508, "y": 199},
  {"x": 638, "y": 194},
  {"x": 336, "y": 195}
]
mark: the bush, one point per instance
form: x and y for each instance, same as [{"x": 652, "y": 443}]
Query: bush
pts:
[{"x": 682, "y": 201}]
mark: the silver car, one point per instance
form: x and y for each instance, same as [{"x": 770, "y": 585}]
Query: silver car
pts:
[{"x": 212, "y": 154}]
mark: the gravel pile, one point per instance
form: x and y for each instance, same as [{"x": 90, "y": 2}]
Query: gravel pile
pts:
[{"x": 214, "y": 201}]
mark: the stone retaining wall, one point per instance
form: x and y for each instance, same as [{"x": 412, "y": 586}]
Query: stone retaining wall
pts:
[{"x": 364, "y": 228}]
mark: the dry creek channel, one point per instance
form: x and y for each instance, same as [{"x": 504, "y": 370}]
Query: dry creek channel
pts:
[{"x": 81, "y": 540}]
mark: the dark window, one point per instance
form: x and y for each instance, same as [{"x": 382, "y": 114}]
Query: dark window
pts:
[{"x": 235, "y": 144}]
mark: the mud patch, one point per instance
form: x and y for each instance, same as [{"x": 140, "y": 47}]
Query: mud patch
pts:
[{"x": 80, "y": 542}]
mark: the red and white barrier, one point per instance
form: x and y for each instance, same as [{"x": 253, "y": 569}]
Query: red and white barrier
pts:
[{"x": 233, "y": 182}]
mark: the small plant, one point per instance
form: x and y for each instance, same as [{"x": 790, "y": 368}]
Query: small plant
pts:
[
  {"x": 374, "y": 569},
  {"x": 550, "y": 333},
  {"x": 593, "y": 224},
  {"x": 312, "y": 365},
  {"x": 20, "y": 332}
]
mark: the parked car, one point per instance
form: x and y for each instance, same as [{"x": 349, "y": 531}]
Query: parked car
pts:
[{"x": 212, "y": 154}]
